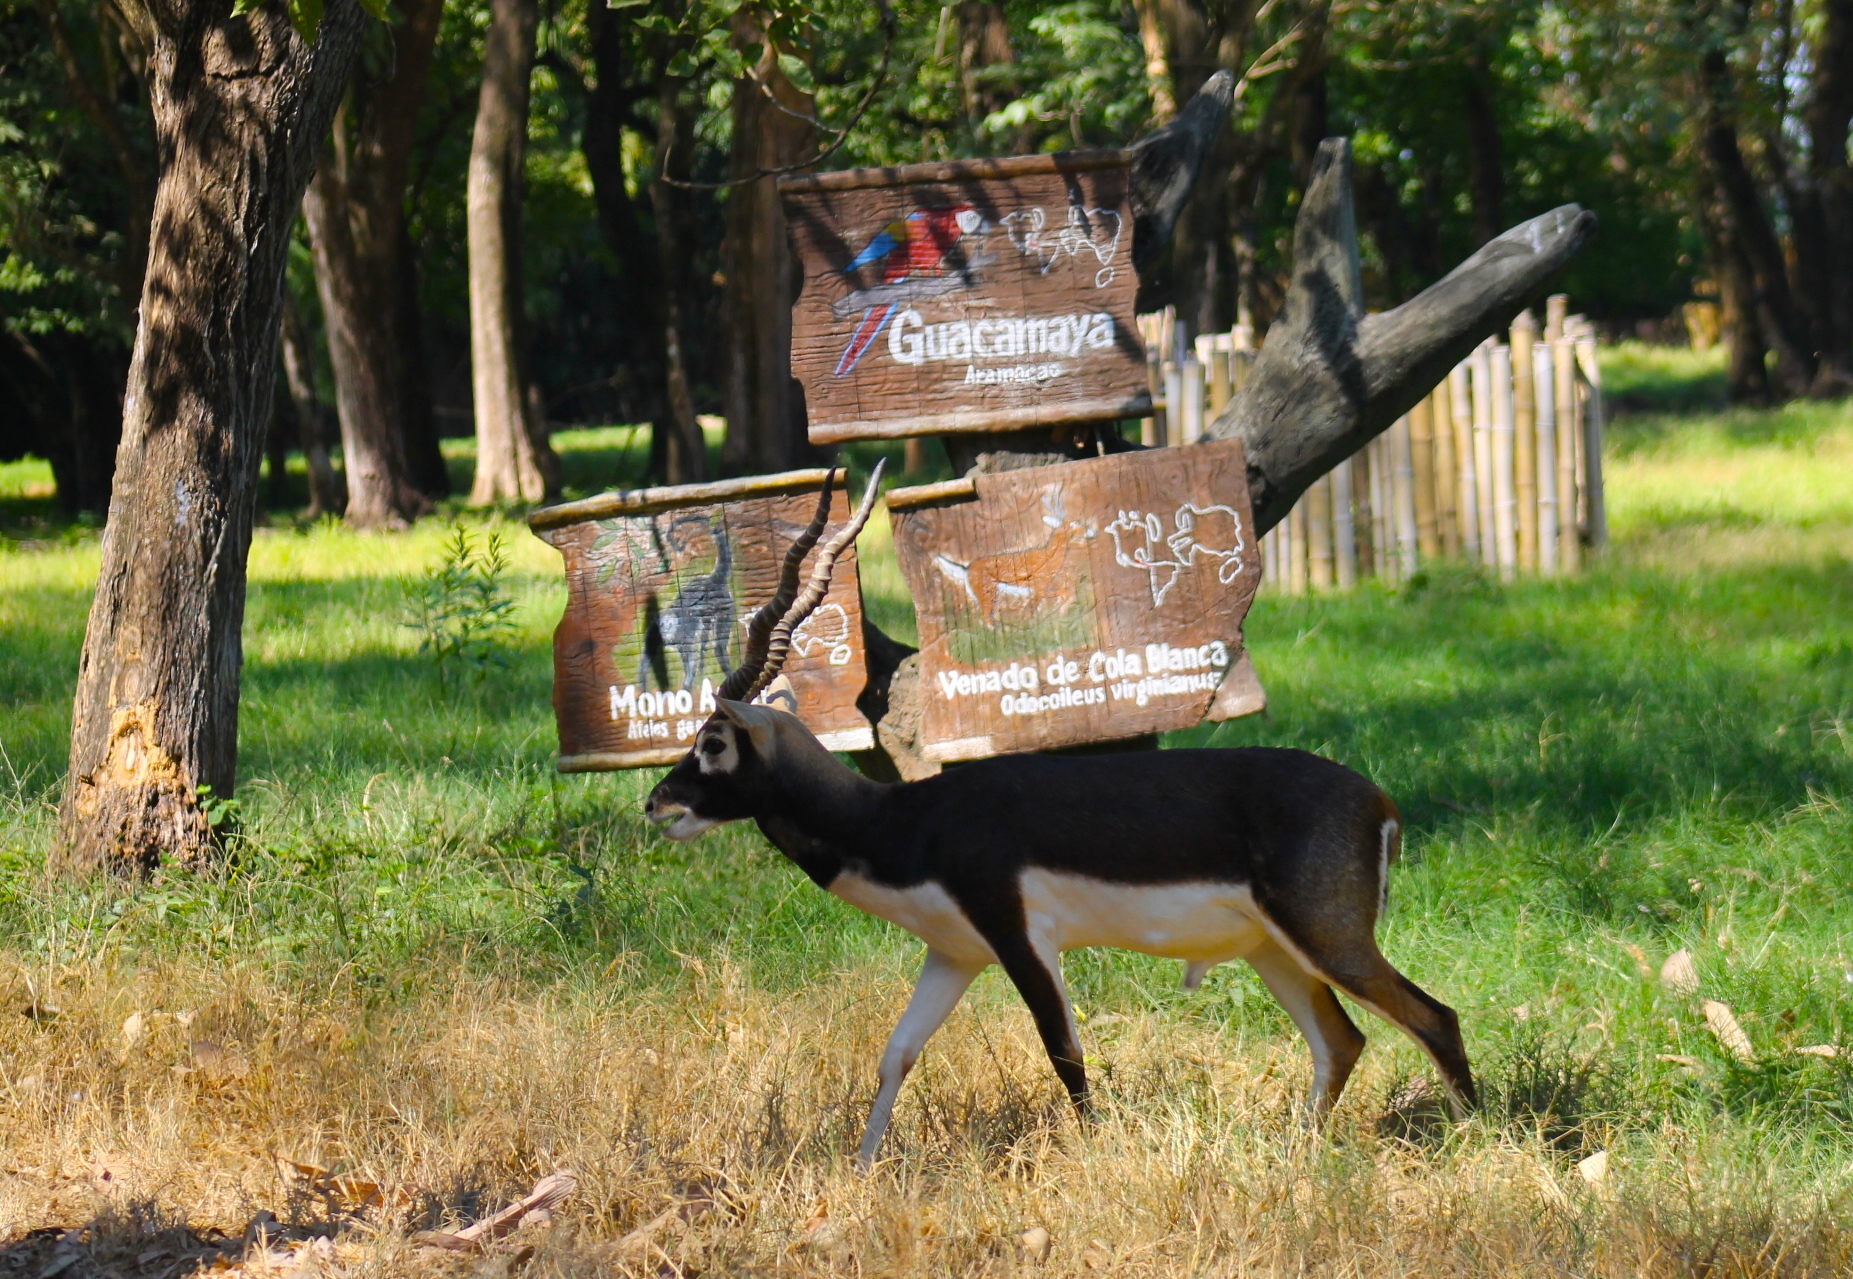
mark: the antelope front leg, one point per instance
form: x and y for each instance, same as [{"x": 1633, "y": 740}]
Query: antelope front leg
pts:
[{"x": 942, "y": 984}]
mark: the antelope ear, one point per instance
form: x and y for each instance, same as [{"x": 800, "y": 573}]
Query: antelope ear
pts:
[{"x": 759, "y": 723}]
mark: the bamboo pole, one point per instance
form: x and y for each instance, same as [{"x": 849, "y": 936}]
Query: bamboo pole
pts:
[
  {"x": 1505, "y": 495},
  {"x": 1483, "y": 450},
  {"x": 1422, "y": 451},
  {"x": 1296, "y": 544},
  {"x": 1361, "y": 480},
  {"x": 1344, "y": 527},
  {"x": 1556, "y": 311},
  {"x": 1402, "y": 496},
  {"x": 1586, "y": 362},
  {"x": 1270, "y": 561},
  {"x": 1447, "y": 482},
  {"x": 1467, "y": 474},
  {"x": 914, "y": 456},
  {"x": 1174, "y": 404},
  {"x": 1525, "y": 440},
  {"x": 1221, "y": 387},
  {"x": 1544, "y": 384},
  {"x": 1563, "y": 365},
  {"x": 1152, "y": 429},
  {"x": 1191, "y": 383},
  {"x": 1382, "y": 521},
  {"x": 1319, "y": 530}
]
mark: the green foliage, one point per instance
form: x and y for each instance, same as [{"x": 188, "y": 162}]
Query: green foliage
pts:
[{"x": 462, "y": 608}]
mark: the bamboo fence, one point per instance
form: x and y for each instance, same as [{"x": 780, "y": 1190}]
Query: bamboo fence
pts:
[{"x": 1501, "y": 463}]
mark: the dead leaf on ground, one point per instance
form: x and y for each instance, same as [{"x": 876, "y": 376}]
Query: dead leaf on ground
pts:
[
  {"x": 548, "y": 1193},
  {"x": 217, "y": 1062},
  {"x": 1679, "y": 974},
  {"x": 1724, "y": 1025},
  {"x": 1828, "y": 1051},
  {"x": 1035, "y": 1242}
]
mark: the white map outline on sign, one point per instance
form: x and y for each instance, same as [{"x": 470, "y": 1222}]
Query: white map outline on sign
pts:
[
  {"x": 1183, "y": 545},
  {"x": 1025, "y": 230},
  {"x": 812, "y": 634}
]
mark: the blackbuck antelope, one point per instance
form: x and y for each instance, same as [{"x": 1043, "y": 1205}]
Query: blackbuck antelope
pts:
[{"x": 1274, "y": 856}]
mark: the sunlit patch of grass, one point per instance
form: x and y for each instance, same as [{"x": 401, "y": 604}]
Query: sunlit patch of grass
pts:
[{"x": 1643, "y": 377}]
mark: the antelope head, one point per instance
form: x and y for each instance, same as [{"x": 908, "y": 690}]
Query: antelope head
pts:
[{"x": 735, "y": 768}]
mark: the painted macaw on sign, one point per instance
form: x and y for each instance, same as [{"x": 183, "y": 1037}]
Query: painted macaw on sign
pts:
[{"x": 913, "y": 252}]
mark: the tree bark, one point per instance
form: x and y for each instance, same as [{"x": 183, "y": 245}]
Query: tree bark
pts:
[
  {"x": 682, "y": 455},
  {"x": 1486, "y": 182},
  {"x": 327, "y": 491},
  {"x": 356, "y": 213},
  {"x": 239, "y": 104},
  {"x": 1329, "y": 377},
  {"x": 771, "y": 129},
  {"x": 509, "y": 465},
  {"x": 1747, "y": 364},
  {"x": 418, "y": 421},
  {"x": 1822, "y": 202},
  {"x": 1747, "y": 226}
]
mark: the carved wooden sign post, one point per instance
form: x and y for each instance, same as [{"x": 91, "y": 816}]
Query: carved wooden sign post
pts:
[
  {"x": 659, "y": 585},
  {"x": 974, "y": 295},
  {"x": 1091, "y": 601}
]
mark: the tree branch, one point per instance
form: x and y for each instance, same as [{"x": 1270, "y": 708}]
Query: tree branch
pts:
[{"x": 1330, "y": 378}]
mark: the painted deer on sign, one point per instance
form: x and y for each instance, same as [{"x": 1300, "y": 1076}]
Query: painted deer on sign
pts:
[{"x": 1274, "y": 856}]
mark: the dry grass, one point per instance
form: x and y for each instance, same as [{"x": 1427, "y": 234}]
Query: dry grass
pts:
[
  {"x": 742, "y": 1107},
  {"x": 444, "y": 972}
]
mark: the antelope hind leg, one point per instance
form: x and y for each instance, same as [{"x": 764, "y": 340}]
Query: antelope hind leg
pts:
[
  {"x": 942, "y": 984},
  {"x": 1352, "y": 963},
  {"x": 1335, "y": 1042}
]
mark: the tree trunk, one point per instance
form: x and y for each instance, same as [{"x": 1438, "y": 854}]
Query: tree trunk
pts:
[
  {"x": 356, "y": 214},
  {"x": 508, "y": 464},
  {"x": 678, "y": 445},
  {"x": 764, "y": 409},
  {"x": 327, "y": 491},
  {"x": 418, "y": 421},
  {"x": 1823, "y": 201},
  {"x": 1486, "y": 181},
  {"x": 239, "y": 104},
  {"x": 1747, "y": 226},
  {"x": 1746, "y": 370}
]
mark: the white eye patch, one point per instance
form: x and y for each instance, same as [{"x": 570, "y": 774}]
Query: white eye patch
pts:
[{"x": 715, "y": 751}]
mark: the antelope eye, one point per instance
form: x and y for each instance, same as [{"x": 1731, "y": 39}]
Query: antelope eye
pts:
[{"x": 713, "y": 746}]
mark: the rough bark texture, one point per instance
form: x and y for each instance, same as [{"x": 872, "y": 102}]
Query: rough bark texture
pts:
[
  {"x": 418, "y": 419},
  {"x": 327, "y": 490},
  {"x": 1746, "y": 224},
  {"x": 355, "y": 208},
  {"x": 509, "y": 446},
  {"x": 676, "y": 433},
  {"x": 1822, "y": 202},
  {"x": 1167, "y": 163},
  {"x": 1329, "y": 377},
  {"x": 1747, "y": 369},
  {"x": 771, "y": 129},
  {"x": 239, "y": 104}
]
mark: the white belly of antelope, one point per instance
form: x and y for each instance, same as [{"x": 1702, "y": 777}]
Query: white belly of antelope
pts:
[
  {"x": 925, "y": 910},
  {"x": 1201, "y": 923}
]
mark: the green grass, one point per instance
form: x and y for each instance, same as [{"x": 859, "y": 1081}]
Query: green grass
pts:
[{"x": 1595, "y": 772}]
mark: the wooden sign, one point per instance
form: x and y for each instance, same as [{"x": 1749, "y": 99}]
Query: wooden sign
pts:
[
  {"x": 976, "y": 295},
  {"x": 1090, "y": 601},
  {"x": 659, "y": 585}
]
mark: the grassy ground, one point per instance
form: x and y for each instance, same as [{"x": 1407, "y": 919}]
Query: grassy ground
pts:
[{"x": 441, "y": 968}]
